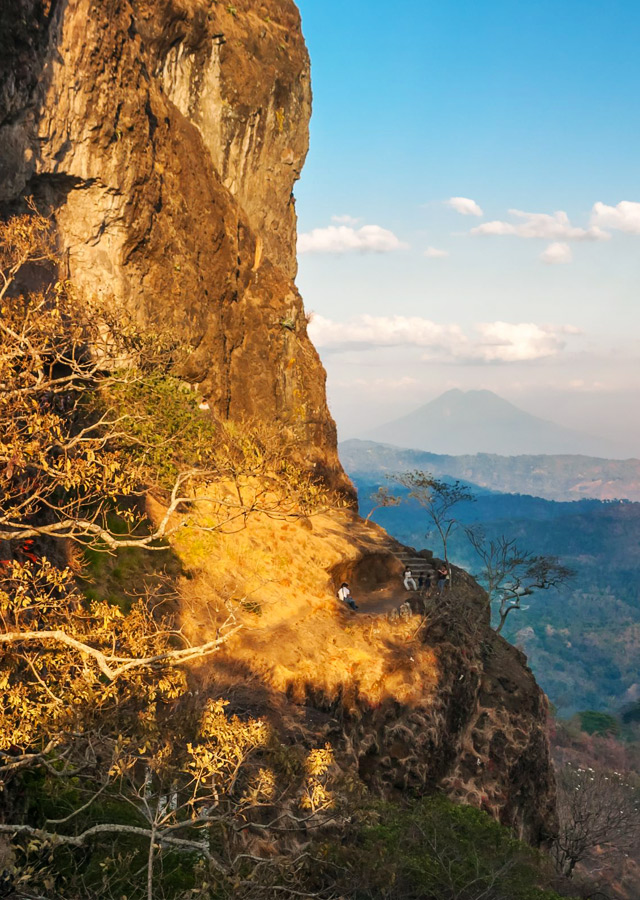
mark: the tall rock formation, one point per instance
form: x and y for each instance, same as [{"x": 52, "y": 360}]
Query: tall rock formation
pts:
[{"x": 166, "y": 136}]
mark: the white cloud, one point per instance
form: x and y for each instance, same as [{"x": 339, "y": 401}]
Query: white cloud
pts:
[
  {"x": 434, "y": 253},
  {"x": 347, "y": 239},
  {"x": 489, "y": 342},
  {"x": 464, "y": 206},
  {"x": 345, "y": 220},
  {"x": 550, "y": 227},
  {"x": 519, "y": 342},
  {"x": 625, "y": 216},
  {"x": 362, "y": 332},
  {"x": 557, "y": 253}
]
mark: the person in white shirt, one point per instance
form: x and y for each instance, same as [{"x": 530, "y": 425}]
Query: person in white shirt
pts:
[
  {"x": 344, "y": 594},
  {"x": 409, "y": 580}
]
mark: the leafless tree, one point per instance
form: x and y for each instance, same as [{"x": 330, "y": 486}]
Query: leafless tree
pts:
[
  {"x": 597, "y": 809},
  {"x": 510, "y": 573}
]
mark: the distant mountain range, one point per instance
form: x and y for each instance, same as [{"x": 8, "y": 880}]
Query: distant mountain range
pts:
[
  {"x": 468, "y": 422},
  {"x": 559, "y": 477}
]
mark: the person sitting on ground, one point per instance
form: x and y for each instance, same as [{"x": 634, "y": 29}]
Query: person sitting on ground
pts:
[
  {"x": 443, "y": 577},
  {"x": 344, "y": 594},
  {"x": 409, "y": 581}
]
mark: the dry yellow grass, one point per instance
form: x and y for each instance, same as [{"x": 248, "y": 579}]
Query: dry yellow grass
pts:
[{"x": 279, "y": 578}]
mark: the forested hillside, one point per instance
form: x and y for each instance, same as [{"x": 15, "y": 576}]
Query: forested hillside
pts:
[{"x": 560, "y": 477}]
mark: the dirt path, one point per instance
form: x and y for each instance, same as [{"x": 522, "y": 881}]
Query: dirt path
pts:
[{"x": 391, "y": 596}]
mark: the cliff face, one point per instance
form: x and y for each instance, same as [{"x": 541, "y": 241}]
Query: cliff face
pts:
[{"x": 166, "y": 136}]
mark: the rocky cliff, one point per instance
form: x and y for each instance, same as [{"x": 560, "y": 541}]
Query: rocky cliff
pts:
[{"x": 166, "y": 137}]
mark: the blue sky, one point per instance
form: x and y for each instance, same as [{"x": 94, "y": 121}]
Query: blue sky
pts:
[{"x": 515, "y": 106}]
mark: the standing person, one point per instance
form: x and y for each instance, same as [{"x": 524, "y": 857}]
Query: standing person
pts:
[
  {"x": 409, "y": 581},
  {"x": 420, "y": 581},
  {"x": 443, "y": 577},
  {"x": 344, "y": 594}
]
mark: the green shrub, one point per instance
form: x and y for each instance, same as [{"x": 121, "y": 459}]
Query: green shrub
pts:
[
  {"x": 436, "y": 850},
  {"x": 594, "y": 722},
  {"x": 164, "y": 418}
]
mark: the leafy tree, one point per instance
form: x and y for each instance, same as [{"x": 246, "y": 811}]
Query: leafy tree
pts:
[
  {"x": 439, "y": 500},
  {"x": 595, "y": 722},
  {"x": 631, "y": 713},
  {"x": 431, "y": 849},
  {"x": 510, "y": 573}
]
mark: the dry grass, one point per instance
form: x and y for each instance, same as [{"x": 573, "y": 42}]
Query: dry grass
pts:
[{"x": 274, "y": 576}]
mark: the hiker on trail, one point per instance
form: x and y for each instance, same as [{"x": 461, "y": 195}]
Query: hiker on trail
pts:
[
  {"x": 344, "y": 594},
  {"x": 443, "y": 577},
  {"x": 409, "y": 581}
]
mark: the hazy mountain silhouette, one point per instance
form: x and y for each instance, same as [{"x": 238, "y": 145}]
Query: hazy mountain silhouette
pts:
[{"x": 461, "y": 422}]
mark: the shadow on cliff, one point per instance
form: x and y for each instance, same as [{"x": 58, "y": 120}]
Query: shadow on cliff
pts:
[{"x": 454, "y": 708}]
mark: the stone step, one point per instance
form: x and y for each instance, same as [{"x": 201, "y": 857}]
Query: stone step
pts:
[
  {"x": 416, "y": 562},
  {"x": 419, "y": 559},
  {"x": 419, "y": 566}
]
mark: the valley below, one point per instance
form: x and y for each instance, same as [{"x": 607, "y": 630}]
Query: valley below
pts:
[{"x": 582, "y": 641}]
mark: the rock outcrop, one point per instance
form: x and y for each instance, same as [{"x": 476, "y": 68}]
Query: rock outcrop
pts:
[
  {"x": 166, "y": 137},
  {"x": 414, "y": 692}
]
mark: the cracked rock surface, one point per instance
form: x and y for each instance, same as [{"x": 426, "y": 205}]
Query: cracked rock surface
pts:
[{"x": 166, "y": 136}]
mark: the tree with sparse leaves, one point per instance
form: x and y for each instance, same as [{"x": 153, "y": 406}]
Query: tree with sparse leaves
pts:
[
  {"x": 599, "y": 812},
  {"x": 439, "y": 499},
  {"x": 382, "y": 499},
  {"x": 510, "y": 573},
  {"x": 79, "y": 385}
]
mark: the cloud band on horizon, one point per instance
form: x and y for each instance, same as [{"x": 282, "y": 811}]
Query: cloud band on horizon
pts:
[{"x": 490, "y": 342}]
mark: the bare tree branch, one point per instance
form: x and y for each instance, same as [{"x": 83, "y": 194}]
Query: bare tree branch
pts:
[{"x": 176, "y": 657}]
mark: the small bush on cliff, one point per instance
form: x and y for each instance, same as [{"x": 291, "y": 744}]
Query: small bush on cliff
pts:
[
  {"x": 436, "y": 850},
  {"x": 163, "y": 417}
]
